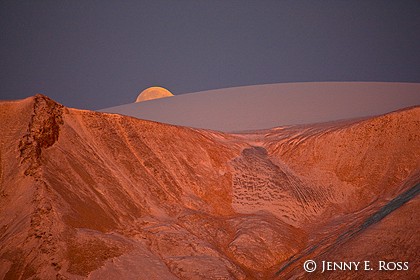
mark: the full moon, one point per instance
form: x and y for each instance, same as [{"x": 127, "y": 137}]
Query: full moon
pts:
[{"x": 153, "y": 93}]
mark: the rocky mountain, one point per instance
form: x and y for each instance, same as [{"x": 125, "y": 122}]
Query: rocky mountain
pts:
[{"x": 103, "y": 196}]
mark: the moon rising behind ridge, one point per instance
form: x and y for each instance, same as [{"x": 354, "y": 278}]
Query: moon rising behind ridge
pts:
[{"x": 153, "y": 93}]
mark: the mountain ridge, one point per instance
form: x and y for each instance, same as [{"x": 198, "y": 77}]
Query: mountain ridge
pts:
[{"x": 87, "y": 194}]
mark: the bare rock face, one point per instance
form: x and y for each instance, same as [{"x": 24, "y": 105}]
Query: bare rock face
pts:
[{"x": 102, "y": 196}]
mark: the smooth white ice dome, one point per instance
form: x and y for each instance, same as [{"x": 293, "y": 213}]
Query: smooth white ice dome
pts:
[{"x": 265, "y": 106}]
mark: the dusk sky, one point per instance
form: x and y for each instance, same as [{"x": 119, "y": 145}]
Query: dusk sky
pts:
[{"x": 98, "y": 54}]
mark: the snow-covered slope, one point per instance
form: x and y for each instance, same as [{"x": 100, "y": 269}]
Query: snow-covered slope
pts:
[{"x": 103, "y": 196}]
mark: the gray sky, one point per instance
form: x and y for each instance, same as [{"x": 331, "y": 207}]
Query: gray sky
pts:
[{"x": 98, "y": 54}]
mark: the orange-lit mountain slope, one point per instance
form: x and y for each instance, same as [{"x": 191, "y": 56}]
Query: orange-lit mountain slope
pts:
[{"x": 102, "y": 196}]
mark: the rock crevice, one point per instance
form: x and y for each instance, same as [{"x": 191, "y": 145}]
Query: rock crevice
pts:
[{"x": 43, "y": 131}]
